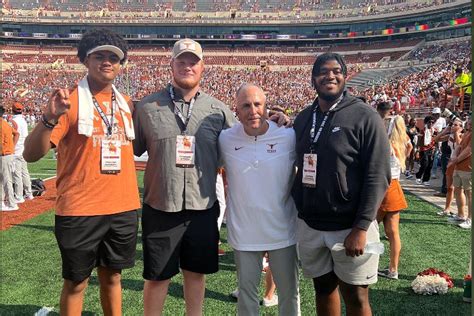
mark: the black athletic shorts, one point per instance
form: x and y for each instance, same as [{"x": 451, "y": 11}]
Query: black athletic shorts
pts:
[
  {"x": 86, "y": 242},
  {"x": 187, "y": 239}
]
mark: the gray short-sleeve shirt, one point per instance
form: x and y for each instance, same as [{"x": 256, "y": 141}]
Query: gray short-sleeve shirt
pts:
[{"x": 167, "y": 187}]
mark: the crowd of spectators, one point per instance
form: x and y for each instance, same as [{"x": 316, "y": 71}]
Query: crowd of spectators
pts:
[
  {"x": 222, "y": 59},
  {"x": 427, "y": 88},
  {"x": 447, "y": 52},
  {"x": 289, "y": 87}
]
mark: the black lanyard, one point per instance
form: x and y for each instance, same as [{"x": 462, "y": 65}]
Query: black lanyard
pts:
[
  {"x": 315, "y": 137},
  {"x": 103, "y": 116},
  {"x": 178, "y": 112}
]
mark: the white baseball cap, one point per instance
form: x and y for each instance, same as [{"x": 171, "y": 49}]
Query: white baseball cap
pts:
[
  {"x": 187, "y": 46},
  {"x": 436, "y": 111},
  {"x": 111, "y": 48}
]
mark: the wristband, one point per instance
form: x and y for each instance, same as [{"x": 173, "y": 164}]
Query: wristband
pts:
[{"x": 46, "y": 123}]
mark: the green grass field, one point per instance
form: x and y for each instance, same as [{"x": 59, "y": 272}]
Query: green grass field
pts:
[{"x": 30, "y": 270}]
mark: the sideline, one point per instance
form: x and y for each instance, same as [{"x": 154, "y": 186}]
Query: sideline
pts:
[
  {"x": 426, "y": 193},
  {"x": 31, "y": 208}
]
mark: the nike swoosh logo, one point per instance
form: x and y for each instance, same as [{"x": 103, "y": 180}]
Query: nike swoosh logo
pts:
[
  {"x": 370, "y": 277},
  {"x": 238, "y": 148}
]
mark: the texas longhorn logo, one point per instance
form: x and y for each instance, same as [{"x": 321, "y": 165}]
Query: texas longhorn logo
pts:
[
  {"x": 185, "y": 45},
  {"x": 270, "y": 148}
]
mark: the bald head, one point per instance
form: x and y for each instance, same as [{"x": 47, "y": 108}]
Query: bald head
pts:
[
  {"x": 249, "y": 88},
  {"x": 251, "y": 109}
]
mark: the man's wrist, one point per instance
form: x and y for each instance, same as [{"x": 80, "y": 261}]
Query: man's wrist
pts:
[
  {"x": 48, "y": 123},
  {"x": 359, "y": 229},
  {"x": 51, "y": 118}
]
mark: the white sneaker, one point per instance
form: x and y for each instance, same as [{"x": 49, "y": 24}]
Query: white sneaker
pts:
[
  {"x": 466, "y": 224},
  {"x": 418, "y": 181},
  {"x": 271, "y": 302},
  {"x": 8, "y": 208},
  {"x": 234, "y": 294},
  {"x": 456, "y": 219},
  {"x": 22, "y": 200},
  {"x": 29, "y": 197}
]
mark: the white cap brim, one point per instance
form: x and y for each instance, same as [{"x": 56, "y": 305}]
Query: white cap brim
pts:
[{"x": 111, "y": 48}]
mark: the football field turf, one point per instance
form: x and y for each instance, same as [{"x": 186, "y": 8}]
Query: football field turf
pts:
[{"x": 30, "y": 270}]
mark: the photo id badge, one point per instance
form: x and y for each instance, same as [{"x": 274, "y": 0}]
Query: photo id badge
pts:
[
  {"x": 310, "y": 163},
  {"x": 185, "y": 147},
  {"x": 110, "y": 159}
]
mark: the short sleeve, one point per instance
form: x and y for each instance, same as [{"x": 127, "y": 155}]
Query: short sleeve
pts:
[{"x": 60, "y": 130}]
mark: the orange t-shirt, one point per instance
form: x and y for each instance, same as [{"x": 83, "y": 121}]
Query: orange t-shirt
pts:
[
  {"x": 7, "y": 138},
  {"x": 82, "y": 190},
  {"x": 465, "y": 164}
]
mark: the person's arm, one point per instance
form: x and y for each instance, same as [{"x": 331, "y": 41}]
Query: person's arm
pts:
[
  {"x": 464, "y": 154},
  {"x": 443, "y": 136},
  {"x": 375, "y": 157},
  {"x": 281, "y": 119},
  {"x": 139, "y": 143},
  {"x": 38, "y": 143},
  {"x": 457, "y": 137},
  {"x": 408, "y": 148},
  {"x": 15, "y": 133}
]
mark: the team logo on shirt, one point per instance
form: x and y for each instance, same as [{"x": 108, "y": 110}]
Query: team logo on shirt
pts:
[{"x": 271, "y": 148}]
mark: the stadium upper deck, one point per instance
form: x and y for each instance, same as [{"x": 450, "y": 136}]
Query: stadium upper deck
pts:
[
  {"x": 227, "y": 12},
  {"x": 146, "y": 23},
  {"x": 351, "y": 7}
]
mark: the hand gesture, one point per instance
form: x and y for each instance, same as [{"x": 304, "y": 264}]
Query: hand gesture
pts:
[{"x": 58, "y": 104}]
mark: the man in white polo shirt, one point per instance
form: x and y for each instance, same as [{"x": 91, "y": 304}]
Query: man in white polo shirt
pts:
[{"x": 259, "y": 161}]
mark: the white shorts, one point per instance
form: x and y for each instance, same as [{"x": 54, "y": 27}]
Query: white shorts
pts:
[{"x": 318, "y": 259}]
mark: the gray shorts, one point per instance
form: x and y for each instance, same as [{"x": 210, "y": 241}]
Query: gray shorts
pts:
[
  {"x": 318, "y": 259},
  {"x": 462, "y": 179}
]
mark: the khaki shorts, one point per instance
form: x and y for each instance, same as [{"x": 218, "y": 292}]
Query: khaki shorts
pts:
[
  {"x": 462, "y": 179},
  {"x": 318, "y": 259}
]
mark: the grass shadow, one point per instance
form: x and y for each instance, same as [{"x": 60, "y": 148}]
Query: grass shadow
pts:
[
  {"x": 422, "y": 221},
  {"x": 406, "y": 300},
  {"x": 14, "y": 310},
  {"x": 28, "y": 310},
  {"x": 84, "y": 313},
  {"x": 38, "y": 227},
  {"x": 425, "y": 213}
]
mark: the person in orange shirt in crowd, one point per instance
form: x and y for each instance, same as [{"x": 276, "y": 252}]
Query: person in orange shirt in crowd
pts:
[
  {"x": 9, "y": 138},
  {"x": 97, "y": 194}
]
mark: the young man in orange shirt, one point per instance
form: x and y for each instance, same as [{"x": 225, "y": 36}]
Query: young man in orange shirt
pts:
[
  {"x": 96, "y": 218},
  {"x": 9, "y": 137}
]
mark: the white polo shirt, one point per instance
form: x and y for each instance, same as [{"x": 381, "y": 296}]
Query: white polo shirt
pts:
[{"x": 260, "y": 171}]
